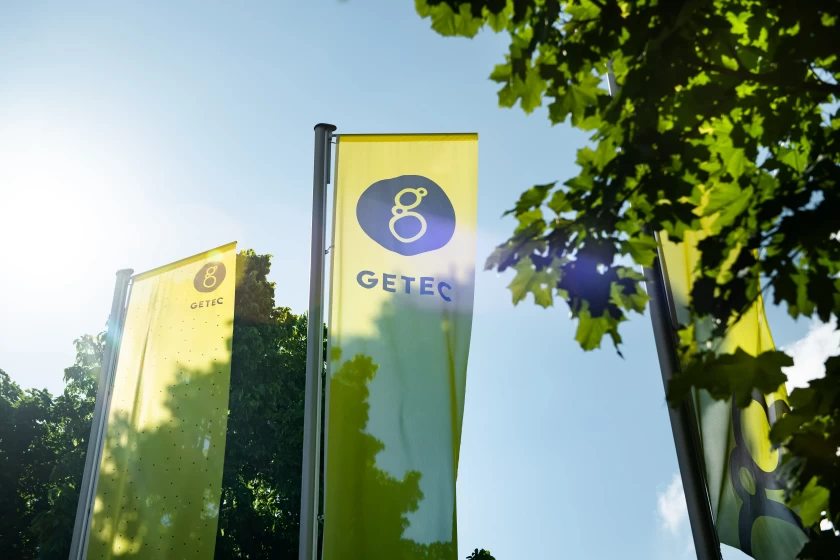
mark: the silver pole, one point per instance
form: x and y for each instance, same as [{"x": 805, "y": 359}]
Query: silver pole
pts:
[
  {"x": 326, "y": 416},
  {"x": 87, "y": 491},
  {"x": 310, "y": 477},
  {"x": 683, "y": 427}
]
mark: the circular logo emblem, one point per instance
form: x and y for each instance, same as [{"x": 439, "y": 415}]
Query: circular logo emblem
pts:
[
  {"x": 209, "y": 277},
  {"x": 408, "y": 215}
]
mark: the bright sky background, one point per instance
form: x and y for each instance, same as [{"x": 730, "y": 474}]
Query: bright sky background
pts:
[{"x": 135, "y": 134}]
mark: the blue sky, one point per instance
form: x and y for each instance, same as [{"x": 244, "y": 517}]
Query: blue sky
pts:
[{"x": 134, "y": 134}]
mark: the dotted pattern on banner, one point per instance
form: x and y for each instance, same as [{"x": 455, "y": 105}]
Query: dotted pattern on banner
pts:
[{"x": 160, "y": 477}]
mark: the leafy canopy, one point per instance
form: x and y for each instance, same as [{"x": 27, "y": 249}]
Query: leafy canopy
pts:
[{"x": 725, "y": 121}]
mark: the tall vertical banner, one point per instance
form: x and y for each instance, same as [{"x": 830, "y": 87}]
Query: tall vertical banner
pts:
[
  {"x": 159, "y": 482},
  {"x": 403, "y": 269},
  {"x": 740, "y": 465}
]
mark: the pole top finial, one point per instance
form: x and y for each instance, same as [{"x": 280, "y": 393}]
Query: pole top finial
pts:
[{"x": 329, "y": 127}]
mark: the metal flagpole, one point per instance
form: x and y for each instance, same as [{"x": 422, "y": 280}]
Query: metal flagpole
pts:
[
  {"x": 683, "y": 425},
  {"x": 87, "y": 491},
  {"x": 326, "y": 416},
  {"x": 314, "y": 349}
]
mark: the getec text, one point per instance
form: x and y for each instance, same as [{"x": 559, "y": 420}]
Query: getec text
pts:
[
  {"x": 424, "y": 285},
  {"x": 207, "y": 303}
]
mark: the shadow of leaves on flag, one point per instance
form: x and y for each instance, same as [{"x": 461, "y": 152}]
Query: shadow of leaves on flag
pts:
[
  {"x": 368, "y": 509},
  {"x": 160, "y": 482},
  {"x": 396, "y": 397}
]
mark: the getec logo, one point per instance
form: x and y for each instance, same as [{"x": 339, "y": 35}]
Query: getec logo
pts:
[
  {"x": 207, "y": 280},
  {"x": 408, "y": 215}
]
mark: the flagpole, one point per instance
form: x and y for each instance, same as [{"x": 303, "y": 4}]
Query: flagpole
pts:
[
  {"x": 683, "y": 425},
  {"x": 314, "y": 349},
  {"x": 87, "y": 491}
]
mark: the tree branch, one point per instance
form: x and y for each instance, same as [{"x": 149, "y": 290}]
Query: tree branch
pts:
[{"x": 770, "y": 80}]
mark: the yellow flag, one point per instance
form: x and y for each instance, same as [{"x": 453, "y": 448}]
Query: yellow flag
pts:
[
  {"x": 401, "y": 315},
  {"x": 160, "y": 477},
  {"x": 741, "y": 466}
]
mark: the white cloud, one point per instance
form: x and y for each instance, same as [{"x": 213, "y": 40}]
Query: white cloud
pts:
[
  {"x": 671, "y": 507},
  {"x": 810, "y": 352},
  {"x": 673, "y": 540}
]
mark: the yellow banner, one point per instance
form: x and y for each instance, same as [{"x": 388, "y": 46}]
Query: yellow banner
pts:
[
  {"x": 160, "y": 477},
  {"x": 741, "y": 466},
  {"x": 401, "y": 315}
]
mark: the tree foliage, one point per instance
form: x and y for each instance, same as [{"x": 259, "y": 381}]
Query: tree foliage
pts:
[
  {"x": 725, "y": 122},
  {"x": 43, "y": 441},
  {"x": 259, "y": 516}
]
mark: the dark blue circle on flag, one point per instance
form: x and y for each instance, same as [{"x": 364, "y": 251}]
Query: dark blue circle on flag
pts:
[{"x": 408, "y": 215}]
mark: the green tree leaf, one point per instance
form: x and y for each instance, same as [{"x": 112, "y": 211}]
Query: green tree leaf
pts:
[
  {"x": 528, "y": 279},
  {"x": 642, "y": 249},
  {"x": 810, "y": 503}
]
